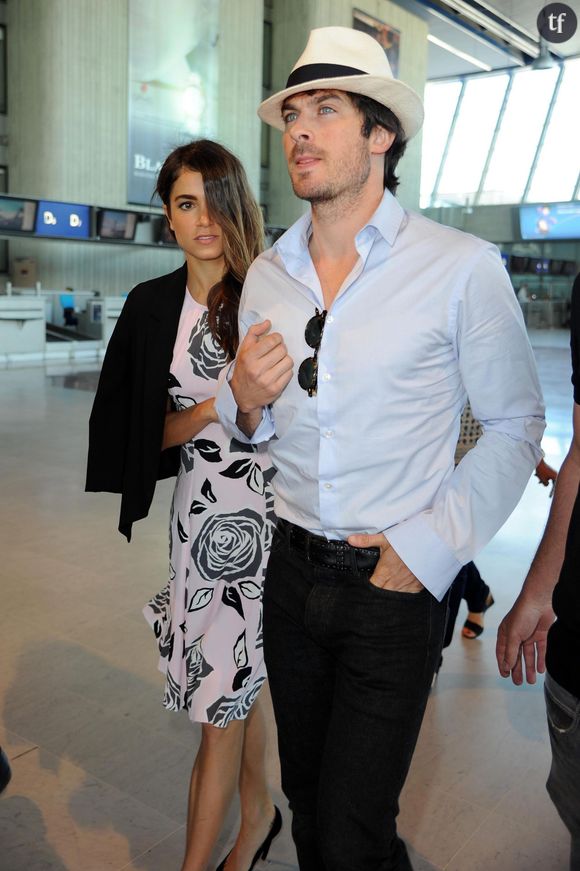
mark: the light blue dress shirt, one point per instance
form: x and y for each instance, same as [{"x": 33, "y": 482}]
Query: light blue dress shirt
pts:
[{"x": 426, "y": 319}]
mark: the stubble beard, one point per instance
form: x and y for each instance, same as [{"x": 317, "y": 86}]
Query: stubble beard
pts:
[{"x": 346, "y": 188}]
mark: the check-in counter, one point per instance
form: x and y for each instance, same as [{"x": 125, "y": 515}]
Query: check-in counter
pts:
[
  {"x": 22, "y": 325},
  {"x": 100, "y": 316},
  {"x": 544, "y": 313}
]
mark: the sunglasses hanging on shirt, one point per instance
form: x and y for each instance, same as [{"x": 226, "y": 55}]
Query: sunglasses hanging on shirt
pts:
[{"x": 308, "y": 371}]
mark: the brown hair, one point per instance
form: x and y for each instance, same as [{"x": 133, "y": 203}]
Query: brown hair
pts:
[
  {"x": 376, "y": 115},
  {"x": 231, "y": 204}
]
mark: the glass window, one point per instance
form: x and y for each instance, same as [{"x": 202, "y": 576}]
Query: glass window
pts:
[
  {"x": 2, "y": 69},
  {"x": 471, "y": 139},
  {"x": 440, "y": 103},
  {"x": 267, "y": 56},
  {"x": 519, "y": 136},
  {"x": 559, "y": 161}
]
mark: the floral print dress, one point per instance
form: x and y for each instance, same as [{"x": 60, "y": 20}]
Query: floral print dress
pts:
[{"x": 208, "y": 619}]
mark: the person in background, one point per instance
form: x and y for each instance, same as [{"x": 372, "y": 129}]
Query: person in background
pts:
[
  {"x": 154, "y": 416},
  {"x": 365, "y": 328},
  {"x": 522, "y": 293},
  {"x": 528, "y": 639}
]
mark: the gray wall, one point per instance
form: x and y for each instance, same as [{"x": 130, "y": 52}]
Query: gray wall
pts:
[
  {"x": 499, "y": 224},
  {"x": 67, "y": 123},
  {"x": 292, "y": 20}
]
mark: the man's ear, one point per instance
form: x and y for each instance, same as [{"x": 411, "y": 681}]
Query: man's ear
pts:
[{"x": 381, "y": 140}]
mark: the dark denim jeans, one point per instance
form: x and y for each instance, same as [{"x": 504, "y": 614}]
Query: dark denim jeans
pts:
[
  {"x": 350, "y": 666},
  {"x": 563, "y": 710}
]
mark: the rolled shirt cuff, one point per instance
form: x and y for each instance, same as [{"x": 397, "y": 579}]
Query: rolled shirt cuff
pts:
[
  {"x": 425, "y": 554},
  {"x": 227, "y": 411}
]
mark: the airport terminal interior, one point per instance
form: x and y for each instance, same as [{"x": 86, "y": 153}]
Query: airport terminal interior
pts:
[{"x": 92, "y": 98}]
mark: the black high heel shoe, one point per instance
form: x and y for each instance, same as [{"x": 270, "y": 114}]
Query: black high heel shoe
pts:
[{"x": 264, "y": 848}]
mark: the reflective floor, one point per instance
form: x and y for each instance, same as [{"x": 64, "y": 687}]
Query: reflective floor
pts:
[{"x": 101, "y": 769}]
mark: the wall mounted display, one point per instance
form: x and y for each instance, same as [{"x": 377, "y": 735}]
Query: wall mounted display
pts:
[
  {"x": 164, "y": 235},
  {"x": 173, "y": 80},
  {"x": 538, "y": 266},
  {"x": 68, "y": 220},
  {"x": 388, "y": 37},
  {"x": 114, "y": 224},
  {"x": 519, "y": 265},
  {"x": 17, "y": 215},
  {"x": 550, "y": 221}
]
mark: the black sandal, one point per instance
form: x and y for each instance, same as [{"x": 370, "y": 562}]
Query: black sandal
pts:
[{"x": 475, "y": 627}]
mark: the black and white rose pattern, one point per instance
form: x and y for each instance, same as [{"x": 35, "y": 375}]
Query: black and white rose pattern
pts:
[
  {"x": 208, "y": 619},
  {"x": 196, "y": 669},
  {"x": 237, "y": 708},
  {"x": 172, "y": 696},
  {"x": 229, "y": 546},
  {"x": 160, "y": 602},
  {"x": 207, "y": 357}
]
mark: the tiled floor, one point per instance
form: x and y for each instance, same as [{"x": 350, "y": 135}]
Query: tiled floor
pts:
[{"x": 101, "y": 770}]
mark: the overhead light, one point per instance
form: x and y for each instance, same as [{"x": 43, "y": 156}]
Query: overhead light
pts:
[
  {"x": 462, "y": 54},
  {"x": 544, "y": 60},
  {"x": 521, "y": 39}
]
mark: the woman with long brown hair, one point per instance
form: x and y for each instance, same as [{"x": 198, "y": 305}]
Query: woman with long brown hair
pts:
[{"x": 154, "y": 416}]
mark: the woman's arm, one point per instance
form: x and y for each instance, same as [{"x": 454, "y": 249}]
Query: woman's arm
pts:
[{"x": 181, "y": 426}]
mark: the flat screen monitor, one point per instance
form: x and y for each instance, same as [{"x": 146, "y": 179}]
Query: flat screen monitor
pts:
[
  {"x": 550, "y": 221},
  {"x": 518, "y": 265},
  {"x": 556, "y": 267},
  {"x": 166, "y": 237},
  {"x": 538, "y": 266},
  {"x": 67, "y": 220},
  {"x": 17, "y": 215},
  {"x": 113, "y": 224}
]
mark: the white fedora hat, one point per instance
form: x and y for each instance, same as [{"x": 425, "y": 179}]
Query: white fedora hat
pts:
[{"x": 343, "y": 59}]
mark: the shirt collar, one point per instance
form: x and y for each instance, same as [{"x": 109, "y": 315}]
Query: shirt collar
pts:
[
  {"x": 387, "y": 221},
  {"x": 388, "y": 218}
]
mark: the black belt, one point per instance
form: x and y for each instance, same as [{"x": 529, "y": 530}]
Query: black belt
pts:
[{"x": 331, "y": 554}]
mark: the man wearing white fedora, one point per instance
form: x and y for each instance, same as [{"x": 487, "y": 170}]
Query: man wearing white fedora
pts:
[{"x": 366, "y": 328}]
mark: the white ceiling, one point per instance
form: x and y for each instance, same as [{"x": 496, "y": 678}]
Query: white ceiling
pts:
[
  {"x": 448, "y": 26},
  {"x": 525, "y": 13}
]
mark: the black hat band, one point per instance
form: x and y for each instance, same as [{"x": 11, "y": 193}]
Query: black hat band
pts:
[{"x": 312, "y": 72}]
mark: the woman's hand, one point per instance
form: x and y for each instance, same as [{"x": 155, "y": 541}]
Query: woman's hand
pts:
[
  {"x": 545, "y": 473},
  {"x": 182, "y": 426}
]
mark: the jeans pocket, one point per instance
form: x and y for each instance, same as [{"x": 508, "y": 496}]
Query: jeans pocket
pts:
[
  {"x": 394, "y": 594},
  {"x": 561, "y": 719}
]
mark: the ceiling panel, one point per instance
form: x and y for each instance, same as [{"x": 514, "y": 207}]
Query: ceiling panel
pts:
[
  {"x": 444, "y": 24},
  {"x": 525, "y": 13}
]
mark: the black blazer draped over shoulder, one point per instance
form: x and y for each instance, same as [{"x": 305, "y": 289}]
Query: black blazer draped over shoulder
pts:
[{"x": 128, "y": 416}]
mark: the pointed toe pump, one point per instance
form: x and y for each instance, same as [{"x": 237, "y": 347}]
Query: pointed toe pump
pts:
[{"x": 264, "y": 848}]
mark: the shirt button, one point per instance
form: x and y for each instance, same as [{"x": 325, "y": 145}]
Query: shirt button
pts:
[
  {"x": 329, "y": 319},
  {"x": 328, "y": 486},
  {"x": 328, "y": 433},
  {"x": 326, "y": 376}
]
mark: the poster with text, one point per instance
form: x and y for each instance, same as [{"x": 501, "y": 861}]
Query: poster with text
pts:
[
  {"x": 173, "y": 81},
  {"x": 385, "y": 35}
]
